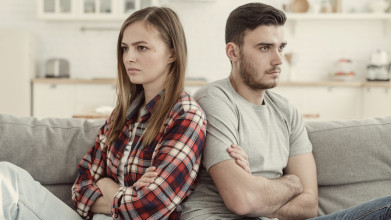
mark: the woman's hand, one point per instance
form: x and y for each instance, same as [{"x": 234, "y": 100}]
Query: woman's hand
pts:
[
  {"x": 147, "y": 178},
  {"x": 240, "y": 157}
]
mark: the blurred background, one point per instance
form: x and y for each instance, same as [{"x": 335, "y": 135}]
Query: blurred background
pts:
[{"x": 58, "y": 57}]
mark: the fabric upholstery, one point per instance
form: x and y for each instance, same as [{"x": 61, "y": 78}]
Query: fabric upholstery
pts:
[
  {"x": 353, "y": 157},
  {"x": 49, "y": 149},
  {"x": 353, "y": 161}
]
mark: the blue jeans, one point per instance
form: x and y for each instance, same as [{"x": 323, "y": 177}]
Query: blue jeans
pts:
[
  {"x": 21, "y": 197},
  {"x": 377, "y": 209}
]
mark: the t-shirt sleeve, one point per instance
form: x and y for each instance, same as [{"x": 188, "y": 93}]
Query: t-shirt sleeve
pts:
[
  {"x": 221, "y": 129},
  {"x": 299, "y": 142}
]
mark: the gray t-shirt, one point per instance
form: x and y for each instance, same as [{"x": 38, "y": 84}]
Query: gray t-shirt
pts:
[{"x": 269, "y": 133}]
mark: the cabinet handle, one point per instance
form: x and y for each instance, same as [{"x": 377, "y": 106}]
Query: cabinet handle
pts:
[{"x": 315, "y": 115}]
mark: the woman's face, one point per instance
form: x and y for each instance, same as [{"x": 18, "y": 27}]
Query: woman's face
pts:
[{"x": 145, "y": 55}]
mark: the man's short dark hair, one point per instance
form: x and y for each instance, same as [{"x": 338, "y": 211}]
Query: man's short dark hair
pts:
[{"x": 249, "y": 17}]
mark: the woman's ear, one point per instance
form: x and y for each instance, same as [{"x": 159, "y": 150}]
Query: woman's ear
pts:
[
  {"x": 172, "y": 57},
  {"x": 232, "y": 51}
]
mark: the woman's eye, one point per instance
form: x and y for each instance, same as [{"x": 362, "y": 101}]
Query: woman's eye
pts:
[
  {"x": 141, "y": 48},
  {"x": 124, "y": 49}
]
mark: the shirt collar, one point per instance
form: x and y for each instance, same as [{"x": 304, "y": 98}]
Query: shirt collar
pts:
[{"x": 147, "y": 109}]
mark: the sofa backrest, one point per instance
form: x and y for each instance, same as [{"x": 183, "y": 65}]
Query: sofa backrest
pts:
[
  {"x": 353, "y": 160},
  {"x": 49, "y": 149},
  {"x": 353, "y": 157}
]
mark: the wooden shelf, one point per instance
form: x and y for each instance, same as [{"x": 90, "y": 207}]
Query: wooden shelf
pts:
[
  {"x": 336, "y": 84},
  {"x": 338, "y": 16},
  {"x": 110, "y": 81}
]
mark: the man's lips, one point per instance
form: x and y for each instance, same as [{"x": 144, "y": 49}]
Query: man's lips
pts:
[{"x": 273, "y": 72}]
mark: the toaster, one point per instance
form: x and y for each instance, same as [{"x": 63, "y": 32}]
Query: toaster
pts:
[{"x": 57, "y": 68}]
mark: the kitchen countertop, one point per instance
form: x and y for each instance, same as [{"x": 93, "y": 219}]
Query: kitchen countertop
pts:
[
  {"x": 383, "y": 84},
  {"x": 110, "y": 81}
]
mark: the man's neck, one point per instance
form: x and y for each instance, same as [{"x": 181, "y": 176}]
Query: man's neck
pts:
[{"x": 252, "y": 96}]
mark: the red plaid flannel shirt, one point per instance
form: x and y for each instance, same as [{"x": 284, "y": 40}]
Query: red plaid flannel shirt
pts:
[{"x": 176, "y": 153}]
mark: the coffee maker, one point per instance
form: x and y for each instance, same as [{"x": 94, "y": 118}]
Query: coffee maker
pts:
[{"x": 379, "y": 67}]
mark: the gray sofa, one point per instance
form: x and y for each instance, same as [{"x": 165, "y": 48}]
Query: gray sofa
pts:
[{"x": 353, "y": 157}]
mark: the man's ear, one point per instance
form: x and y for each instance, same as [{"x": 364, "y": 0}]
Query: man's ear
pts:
[{"x": 232, "y": 51}]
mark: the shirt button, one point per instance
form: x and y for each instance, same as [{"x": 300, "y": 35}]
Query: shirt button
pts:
[{"x": 117, "y": 155}]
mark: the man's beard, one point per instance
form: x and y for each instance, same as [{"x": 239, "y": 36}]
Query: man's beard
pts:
[{"x": 249, "y": 73}]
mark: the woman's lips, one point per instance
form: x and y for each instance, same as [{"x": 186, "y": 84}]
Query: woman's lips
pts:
[{"x": 133, "y": 70}]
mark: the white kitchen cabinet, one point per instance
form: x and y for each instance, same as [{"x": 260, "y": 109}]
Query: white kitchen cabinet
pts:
[
  {"x": 93, "y": 96},
  {"x": 67, "y": 98},
  {"x": 63, "y": 100},
  {"x": 52, "y": 100},
  {"x": 324, "y": 103},
  {"x": 56, "y": 9},
  {"x": 376, "y": 102},
  {"x": 18, "y": 66},
  {"x": 89, "y": 9}
]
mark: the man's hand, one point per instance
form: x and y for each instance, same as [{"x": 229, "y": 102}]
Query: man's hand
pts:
[
  {"x": 240, "y": 156},
  {"x": 147, "y": 178},
  {"x": 305, "y": 205}
]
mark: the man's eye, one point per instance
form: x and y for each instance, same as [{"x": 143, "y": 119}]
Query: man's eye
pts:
[
  {"x": 264, "y": 48},
  {"x": 141, "y": 48},
  {"x": 282, "y": 48}
]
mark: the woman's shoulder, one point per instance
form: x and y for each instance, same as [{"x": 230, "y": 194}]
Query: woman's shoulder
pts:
[{"x": 186, "y": 104}]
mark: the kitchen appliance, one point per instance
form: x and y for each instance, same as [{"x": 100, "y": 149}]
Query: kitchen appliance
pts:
[
  {"x": 57, "y": 68},
  {"x": 343, "y": 70},
  {"x": 379, "y": 67},
  {"x": 378, "y": 6}
]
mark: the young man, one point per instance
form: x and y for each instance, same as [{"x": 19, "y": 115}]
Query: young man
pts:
[{"x": 278, "y": 178}]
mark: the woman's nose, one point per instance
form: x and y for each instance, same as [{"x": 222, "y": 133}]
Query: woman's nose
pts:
[{"x": 129, "y": 56}]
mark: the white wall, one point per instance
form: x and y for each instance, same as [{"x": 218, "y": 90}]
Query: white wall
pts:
[{"x": 317, "y": 43}]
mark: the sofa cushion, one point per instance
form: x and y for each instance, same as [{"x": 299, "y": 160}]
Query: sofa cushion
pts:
[
  {"x": 49, "y": 149},
  {"x": 353, "y": 161}
]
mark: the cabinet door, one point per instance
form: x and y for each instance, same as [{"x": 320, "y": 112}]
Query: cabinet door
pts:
[
  {"x": 324, "y": 103},
  {"x": 95, "y": 9},
  {"x": 335, "y": 103},
  {"x": 93, "y": 96},
  {"x": 377, "y": 102},
  {"x": 56, "y": 9},
  {"x": 127, "y": 7},
  {"x": 52, "y": 100}
]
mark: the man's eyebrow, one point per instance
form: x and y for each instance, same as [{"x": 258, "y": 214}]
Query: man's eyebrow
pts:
[
  {"x": 270, "y": 44},
  {"x": 264, "y": 44}
]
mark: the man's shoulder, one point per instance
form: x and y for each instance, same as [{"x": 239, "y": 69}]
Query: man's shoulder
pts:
[
  {"x": 275, "y": 97},
  {"x": 218, "y": 88}
]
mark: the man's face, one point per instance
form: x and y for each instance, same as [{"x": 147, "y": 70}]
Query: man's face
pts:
[{"x": 261, "y": 57}]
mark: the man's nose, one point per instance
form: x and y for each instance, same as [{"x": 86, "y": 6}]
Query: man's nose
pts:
[{"x": 277, "y": 58}]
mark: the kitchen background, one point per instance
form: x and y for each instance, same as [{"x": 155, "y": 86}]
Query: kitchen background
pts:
[{"x": 333, "y": 47}]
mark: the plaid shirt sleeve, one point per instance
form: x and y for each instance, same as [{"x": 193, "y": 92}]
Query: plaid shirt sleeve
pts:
[
  {"x": 177, "y": 157},
  {"x": 91, "y": 168}
]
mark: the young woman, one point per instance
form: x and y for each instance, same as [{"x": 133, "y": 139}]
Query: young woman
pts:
[{"x": 146, "y": 157}]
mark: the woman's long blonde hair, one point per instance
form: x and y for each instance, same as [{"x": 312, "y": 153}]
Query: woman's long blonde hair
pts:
[{"x": 167, "y": 23}]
